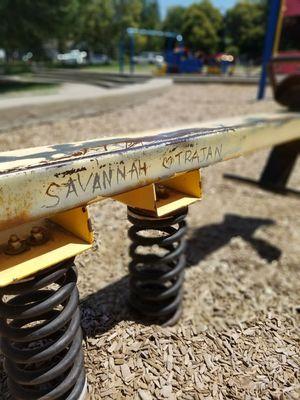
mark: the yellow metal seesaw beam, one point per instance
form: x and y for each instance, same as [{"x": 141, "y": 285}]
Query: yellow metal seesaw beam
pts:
[
  {"x": 44, "y": 222},
  {"x": 44, "y": 181}
]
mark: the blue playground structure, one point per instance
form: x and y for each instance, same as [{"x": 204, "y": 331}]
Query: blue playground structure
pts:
[
  {"x": 132, "y": 32},
  {"x": 180, "y": 61},
  {"x": 177, "y": 58},
  {"x": 272, "y": 27}
]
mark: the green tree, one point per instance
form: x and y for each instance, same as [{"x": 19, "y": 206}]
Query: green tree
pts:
[
  {"x": 126, "y": 13},
  {"x": 150, "y": 19},
  {"x": 150, "y": 16},
  {"x": 106, "y": 21},
  {"x": 212, "y": 13},
  {"x": 202, "y": 27},
  {"x": 245, "y": 27},
  {"x": 97, "y": 31},
  {"x": 174, "y": 19},
  {"x": 27, "y": 24}
]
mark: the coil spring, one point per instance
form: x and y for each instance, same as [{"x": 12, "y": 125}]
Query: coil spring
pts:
[
  {"x": 41, "y": 336},
  {"x": 156, "y": 278}
]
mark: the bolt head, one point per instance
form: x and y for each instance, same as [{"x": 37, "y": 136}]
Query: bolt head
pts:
[
  {"x": 162, "y": 191},
  {"x": 14, "y": 242},
  {"x": 38, "y": 234},
  {"x": 36, "y": 229}
]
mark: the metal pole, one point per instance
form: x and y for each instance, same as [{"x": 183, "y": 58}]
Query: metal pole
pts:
[
  {"x": 131, "y": 44},
  {"x": 121, "y": 55},
  {"x": 268, "y": 46}
]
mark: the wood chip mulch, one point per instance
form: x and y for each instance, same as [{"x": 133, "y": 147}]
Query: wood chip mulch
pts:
[
  {"x": 240, "y": 331},
  {"x": 254, "y": 360}
]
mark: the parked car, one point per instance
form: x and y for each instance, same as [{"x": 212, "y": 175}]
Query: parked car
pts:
[
  {"x": 2, "y": 55},
  {"x": 99, "y": 59},
  {"x": 148, "y": 57},
  {"x": 73, "y": 57},
  {"x": 27, "y": 57}
]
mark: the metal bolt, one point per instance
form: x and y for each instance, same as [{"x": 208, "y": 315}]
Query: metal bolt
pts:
[
  {"x": 162, "y": 192},
  {"x": 15, "y": 245},
  {"x": 14, "y": 242},
  {"x": 38, "y": 235}
]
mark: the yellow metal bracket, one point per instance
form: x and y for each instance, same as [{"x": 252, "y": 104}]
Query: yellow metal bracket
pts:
[
  {"x": 67, "y": 234},
  {"x": 165, "y": 196}
]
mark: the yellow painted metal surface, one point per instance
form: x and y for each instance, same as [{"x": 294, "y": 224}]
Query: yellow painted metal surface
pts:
[
  {"x": 41, "y": 182},
  {"x": 279, "y": 29},
  {"x": 69, "y": 235},
  {"x": 77, "y": 222},
  {"x": 56, "y": 181},
  {"x": 165, "y": 196}
]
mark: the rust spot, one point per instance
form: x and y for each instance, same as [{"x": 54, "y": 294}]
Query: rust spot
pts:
[
  {"x": 11, "y": 170},
  {"x": 18, "y": 220},
  {"x": 81, "y": 152},
  {"x": 69, "y": 172},
  {"x": 129, "y": 145}
]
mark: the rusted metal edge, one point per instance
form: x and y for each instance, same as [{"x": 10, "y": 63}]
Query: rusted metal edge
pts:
[{"x": 43, "y": 181}]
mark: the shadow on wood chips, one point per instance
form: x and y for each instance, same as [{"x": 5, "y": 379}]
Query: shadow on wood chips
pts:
[
  {"x": 208, "y": 239},
  {"x": 102, "y": 310}
]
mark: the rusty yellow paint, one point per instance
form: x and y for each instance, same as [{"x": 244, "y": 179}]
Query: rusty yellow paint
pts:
[
  {"x": 41, "y": 182},
  {"x": 69, "y": 235},
  {"x": 279, "y": 28},
  {"x": 55, "y": 182},
  {"x": 165, "y": 196}
]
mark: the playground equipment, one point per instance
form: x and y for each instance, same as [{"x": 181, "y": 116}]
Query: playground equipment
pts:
[
  {"x": 220, "y": 64},
  {"x": 44, "y": 224},
  {"x": 283, "y": 67},
  {"x": 132, "y": 32},
  {"x": 282, "y": 53},
  {"x": 177, "y": 58},
  {"x": 180, "y": 61}
]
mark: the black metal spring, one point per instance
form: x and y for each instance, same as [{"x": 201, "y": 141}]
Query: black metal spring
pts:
[
  {"x": 158, "y": 263},
  {"x": 41, "y": 336}
]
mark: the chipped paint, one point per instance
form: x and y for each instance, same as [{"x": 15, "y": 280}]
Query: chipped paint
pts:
[
  {"x": 43, "y": 181},
  {"x": 15, "y": 221}
]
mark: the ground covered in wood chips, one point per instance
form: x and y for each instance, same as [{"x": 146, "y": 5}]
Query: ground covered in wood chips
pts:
[{"x": 239, "y": 334}]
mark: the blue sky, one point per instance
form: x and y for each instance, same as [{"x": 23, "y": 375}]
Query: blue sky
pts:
[{"x": 221, "y": 4}]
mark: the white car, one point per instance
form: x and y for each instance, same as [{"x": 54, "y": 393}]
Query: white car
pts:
[
  {"x": 2, "y": 55},
  {"x": 148, "y": 57},
  {"x": 73, "y": 57}
]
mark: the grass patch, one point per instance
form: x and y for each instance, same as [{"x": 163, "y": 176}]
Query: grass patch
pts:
[
  {"x": 114, "y": 68},
  {"x": 15, "y": 68},
  {"x": 15, "y": 86},
  {"x": 107, "y": 68}
]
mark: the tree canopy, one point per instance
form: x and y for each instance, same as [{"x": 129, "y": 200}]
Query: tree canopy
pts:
[
  {"x": 27, "y": 24},
  {"x": 98, "y": 25},
  {"x": 202, "y": 24},
  {"x": 150, "y": 15},
  {"x": 104, "y": 21},
  {"x": 174, "y": 19},
  {"x": 245, "y": 27}
]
